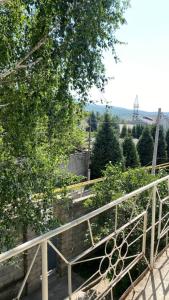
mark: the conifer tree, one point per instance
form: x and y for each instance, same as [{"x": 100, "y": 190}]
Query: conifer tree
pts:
[
  {"x": 134, "y": 132},
  {"x": 130, "y": 153},
  {"x": 145, "y": 147},
  {"x": 129, "y": 131},
  {"x": 161, "y": 152},
  {"x": 106, "y": 148},
  {"x": 139, "y": 130},
  {"x": 123, "y": 132},
  {"x": 93, "y": 121}
]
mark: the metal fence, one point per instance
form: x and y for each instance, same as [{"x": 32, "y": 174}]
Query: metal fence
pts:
[{"x": 119, "y": 235}]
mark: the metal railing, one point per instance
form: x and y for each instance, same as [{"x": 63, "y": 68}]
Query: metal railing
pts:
[{"x": 116, "y": 249}]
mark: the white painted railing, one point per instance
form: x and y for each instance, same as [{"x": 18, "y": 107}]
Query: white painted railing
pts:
[{"x": 120, "y": 249}]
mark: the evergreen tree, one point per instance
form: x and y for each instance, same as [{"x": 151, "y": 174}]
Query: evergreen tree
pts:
[
  {"x": 167, "y": 144},
  {"x": 106, "y": 148},
  {"x": 134, "y": 132},
  {"x": 115, "y": 124},
  {"x": 97, "y": 116},
  {"x": 123, "y": 133},
  {"x": 161, "y": 152},
  {"x": 93, "y": 121},
  {"x": 139, "y": 130},
  {"x": 130, "y": 153},
  {"x": 145, "y": 147},
  {"x": 129, "y": 131}
]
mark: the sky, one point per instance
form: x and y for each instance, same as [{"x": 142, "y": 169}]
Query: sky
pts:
[{"x": 143, "y": 69}]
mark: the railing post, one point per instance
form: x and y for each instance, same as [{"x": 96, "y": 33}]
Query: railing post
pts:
[
  {"x": 153, "y": 227},
  {"x": 70, "y": 281},
  {"x": 144, "y": 233},
  {"x": 44, "y": 270}
]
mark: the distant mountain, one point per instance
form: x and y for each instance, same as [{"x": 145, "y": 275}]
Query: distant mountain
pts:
[{"x": 122, "y": 113}]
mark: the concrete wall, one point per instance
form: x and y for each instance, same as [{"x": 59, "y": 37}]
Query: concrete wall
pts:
[
  {"x": 13, "y": 272},
  {"x": 71, "y": 243},
  {"x": 78, "y": 163}
]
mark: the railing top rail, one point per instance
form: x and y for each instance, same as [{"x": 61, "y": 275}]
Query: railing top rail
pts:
[{"x": 25, "y": 246}]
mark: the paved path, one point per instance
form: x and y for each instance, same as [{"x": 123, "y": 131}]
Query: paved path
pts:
[{"x": 155, "y": 285}]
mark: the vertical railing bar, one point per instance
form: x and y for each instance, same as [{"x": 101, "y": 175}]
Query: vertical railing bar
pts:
[
  {"x": 27, "y": 274},
  {"x": 132, "y": 284},
  {"x": 90, "y": 230},
  {"x": 159, "y": 224},
  {"x": 111, "y": 294},
  {"x": 153, "y": 227},
  {"x": 167, "y": 231},
  {"x": 156, "y": 252},
  {"x": 70, "y": 281},
  {"x": 44, "y": 247},
  {"x": 166, "y": 239},
  {"x": 144, "y": 233},
  {"x": 116, "y": 213},
  {"x": 158, "y": 194}
]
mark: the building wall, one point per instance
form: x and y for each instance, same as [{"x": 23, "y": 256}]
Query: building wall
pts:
[{"x": 78, "y": 163}]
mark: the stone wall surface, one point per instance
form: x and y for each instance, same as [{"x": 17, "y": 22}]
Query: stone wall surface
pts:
[{"x": 70, "y": 244}]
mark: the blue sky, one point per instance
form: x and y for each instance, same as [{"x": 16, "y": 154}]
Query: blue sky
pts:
[{"x": 144, "y": 66}]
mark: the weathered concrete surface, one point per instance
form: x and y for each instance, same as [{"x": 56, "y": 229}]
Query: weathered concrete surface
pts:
[
  {"x": 155, "y": 285},
  {"x": 58, "y": 288}
]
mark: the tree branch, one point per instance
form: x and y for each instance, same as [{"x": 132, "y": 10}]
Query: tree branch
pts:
[
  {"x": 3, "y": 1},
  {"x": 19, "y": 64}
]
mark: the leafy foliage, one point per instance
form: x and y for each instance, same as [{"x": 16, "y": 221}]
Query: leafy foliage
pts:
[
  {"x": 116, "y": 184},
  {"x": 49, "y": 51}
]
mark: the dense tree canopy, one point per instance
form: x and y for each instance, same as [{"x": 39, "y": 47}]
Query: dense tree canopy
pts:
[{"x": 50, "y": 51}]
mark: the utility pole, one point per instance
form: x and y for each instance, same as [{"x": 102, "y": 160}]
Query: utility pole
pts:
[
  {"x": 89, "y": 150},
  {"x": 154, "y": 162},
  {"x": 135, "y": 110}
]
